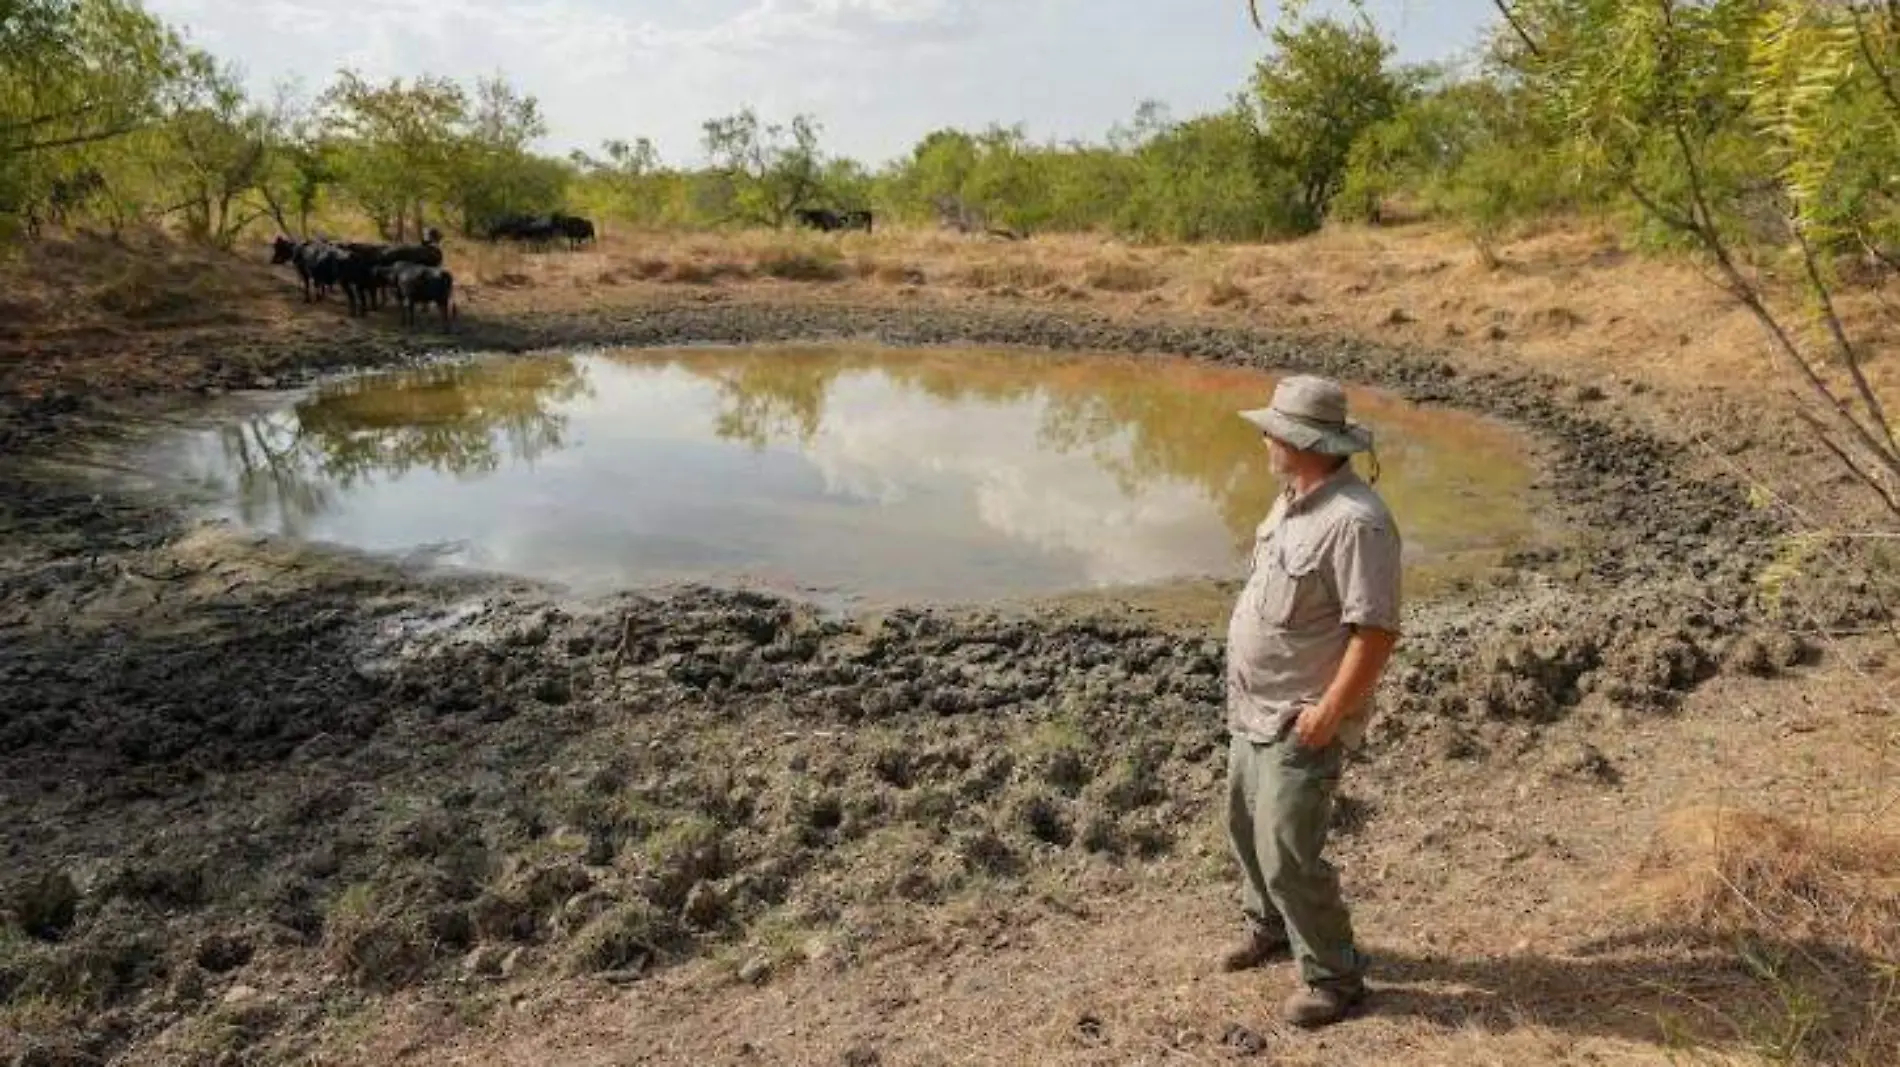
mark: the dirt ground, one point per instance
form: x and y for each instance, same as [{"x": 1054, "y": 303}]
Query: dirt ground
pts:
[{"x": 1629, "y": 802}]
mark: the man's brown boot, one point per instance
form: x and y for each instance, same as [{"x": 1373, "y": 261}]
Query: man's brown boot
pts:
[
  {"x": 1317, "y": 1006},
  {"x": 1257, "y": 948}
]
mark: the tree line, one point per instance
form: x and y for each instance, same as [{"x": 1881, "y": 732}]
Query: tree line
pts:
[
  {"x": 1783, "y": 104},
  {"x": 108, "y": 112}
]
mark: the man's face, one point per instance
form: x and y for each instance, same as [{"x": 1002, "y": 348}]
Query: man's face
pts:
[{"x": 1279, "y": 457}]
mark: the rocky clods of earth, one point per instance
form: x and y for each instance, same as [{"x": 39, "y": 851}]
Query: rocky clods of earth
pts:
[
  {"x": 247, "y": 781},
  {"x": 590, "y": 791}
]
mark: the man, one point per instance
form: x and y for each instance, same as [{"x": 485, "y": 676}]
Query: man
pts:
[{"x": 1314, "y": 628}]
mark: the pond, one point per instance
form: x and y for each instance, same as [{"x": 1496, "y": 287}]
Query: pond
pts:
[{"x": 853, "y": 472}]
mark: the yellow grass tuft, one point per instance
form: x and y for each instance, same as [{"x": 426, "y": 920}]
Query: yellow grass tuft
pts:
[
  {"x": 1747, "y": 873},
  {"x": 705, "y": 271},
  {"x": 1007, "y": 272},
  {"x": 899, "y": 273},
  {"x": 795, "y": 261},
  {"x": 1811, "y": 914},
  {"x": 1122, "y": 274},
  {"x": 1222, "y": 288}
]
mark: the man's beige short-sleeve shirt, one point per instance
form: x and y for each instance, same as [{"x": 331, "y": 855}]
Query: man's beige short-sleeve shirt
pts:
[{"x": 1322, "y": 564}]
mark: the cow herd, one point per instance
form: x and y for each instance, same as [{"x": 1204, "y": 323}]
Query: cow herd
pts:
[
  {"x": 412, "y": 275},
  {"x": 372, "y": 274},
  {"x": 543, "y": 230}
]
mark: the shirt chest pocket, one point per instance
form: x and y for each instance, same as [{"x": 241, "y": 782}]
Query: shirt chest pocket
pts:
[{"x": 1295, "y": 590}]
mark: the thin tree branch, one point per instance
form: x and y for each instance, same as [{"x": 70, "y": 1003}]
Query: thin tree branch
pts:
[
  {"x": 1510, "y": 16},
  {"x": 1867, "y": 395},
  {"x": 175, "y": 208},
  {"x": 1778, "y": 334},
  {"x": 275, "y": 207},
  {"x": 49, "y": 118},
  {"x": 1886, "y": 258},
  {"x": 81, "y": 139},
  {"x": 1801, "y": 519},
  {"x": 1663, "y": 214},
  {"x": 1874, "y": 64},
  {"x": 1864, "y": 476},
  {"x": 1750, "y": 298}
]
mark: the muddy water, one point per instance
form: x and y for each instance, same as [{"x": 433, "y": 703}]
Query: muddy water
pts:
[{"x": 865, "y": 474}]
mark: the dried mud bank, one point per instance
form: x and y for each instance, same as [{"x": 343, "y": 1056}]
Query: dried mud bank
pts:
[{"x": 251, "y": 786}]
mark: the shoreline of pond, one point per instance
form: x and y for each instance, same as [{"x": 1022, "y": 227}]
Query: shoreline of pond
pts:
[{"x": 1124, "y": 444}]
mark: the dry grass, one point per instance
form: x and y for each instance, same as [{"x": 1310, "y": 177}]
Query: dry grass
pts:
[
  {"x": 889, "y": 273},
  {"x": 486, "y": 264},
  {"x": 81, "y": 312},
  {"x": 1746, "y": 873},
  {"x": 795, "y": 263},
  {"x": 1007, "y": 271},
  {"x": 1223, "y": 289},
  {"x": 143, "y": 279},
  {"x": 1122, "y": 274},
  {"x": 1570, "y": 298},
  {"x": 1813, "y": 913},
  {"x": 376, "y": 944}
]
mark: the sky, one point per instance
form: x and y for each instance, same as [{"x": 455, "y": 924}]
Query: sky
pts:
[{"x": 878, "y": 74}]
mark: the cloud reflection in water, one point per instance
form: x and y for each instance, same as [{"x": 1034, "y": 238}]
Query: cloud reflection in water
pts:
[{"x": 934, "y": 474}]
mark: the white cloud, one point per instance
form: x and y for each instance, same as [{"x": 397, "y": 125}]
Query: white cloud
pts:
[
  {"x": 878, "y": 73},
  {"x": 774, "y": 23},
  {"x": 886, "y": 447}
]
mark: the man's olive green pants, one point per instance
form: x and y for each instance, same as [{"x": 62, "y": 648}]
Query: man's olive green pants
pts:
[{"x": 1279, "y": 808}]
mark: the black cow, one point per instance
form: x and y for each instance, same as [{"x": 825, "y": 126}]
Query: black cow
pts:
[
  {"x": 317, "y": 263},
  {"x": 817, "y": 218},
  {"x": 325, "y": 266},
  {"x": 576, "y": 229},
  {"x": 505, "y": 228},
  {"x": 422, "y": 255},
  {"x": 356, "y": 273},
  {"x": 528, "y": 229},
  {"x": 416, "y": 285},
  {"x": 828, "y": 221}
]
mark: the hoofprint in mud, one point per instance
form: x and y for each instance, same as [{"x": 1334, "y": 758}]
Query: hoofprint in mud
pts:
[{"x": 248, "y": 781}]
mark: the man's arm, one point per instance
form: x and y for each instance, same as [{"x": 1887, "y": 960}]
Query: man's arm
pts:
[{"x": 1367, "y": 652}]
